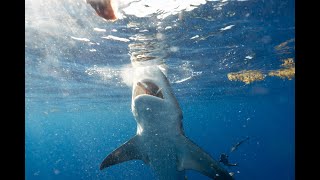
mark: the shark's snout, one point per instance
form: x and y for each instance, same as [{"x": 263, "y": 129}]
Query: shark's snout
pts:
[{"x": 149, "y": 88}]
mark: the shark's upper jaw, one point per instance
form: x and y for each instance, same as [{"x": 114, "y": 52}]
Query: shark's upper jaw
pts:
[{"x": 147, "y": 87}]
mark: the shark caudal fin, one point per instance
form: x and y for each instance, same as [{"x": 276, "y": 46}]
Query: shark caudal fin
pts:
[
  {"x": 128, "y": 151},
  {"x": 193, "y": 157}
]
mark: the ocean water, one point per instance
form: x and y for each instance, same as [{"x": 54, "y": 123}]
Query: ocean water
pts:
[{"x": 78, "y": 91}]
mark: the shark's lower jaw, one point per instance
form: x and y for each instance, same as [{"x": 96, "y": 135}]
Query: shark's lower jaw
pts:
[{"x": 147, "y": 87}]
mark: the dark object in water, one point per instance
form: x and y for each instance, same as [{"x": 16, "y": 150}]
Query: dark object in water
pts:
[
  {"x": 103, "y": 8},
  {"x": 224, "y": 159}
]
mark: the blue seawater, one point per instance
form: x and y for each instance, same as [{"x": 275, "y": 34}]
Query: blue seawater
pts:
[{"x": 78, "y": 104}]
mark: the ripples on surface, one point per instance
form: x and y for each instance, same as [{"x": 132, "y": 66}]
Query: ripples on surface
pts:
[{"x": 75, "y": 54}]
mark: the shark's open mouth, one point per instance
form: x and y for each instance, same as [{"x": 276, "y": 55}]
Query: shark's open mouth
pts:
[{"x": 148, "y": 87}]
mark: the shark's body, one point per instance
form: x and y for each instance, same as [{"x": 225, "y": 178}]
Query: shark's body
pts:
[{"x": 160, "y": 141}]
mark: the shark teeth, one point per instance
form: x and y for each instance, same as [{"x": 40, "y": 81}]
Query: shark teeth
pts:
[{"x": 148, "y": 87}]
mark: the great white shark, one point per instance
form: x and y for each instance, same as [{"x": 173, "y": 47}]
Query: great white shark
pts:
[{"x": 160, "y": 141}]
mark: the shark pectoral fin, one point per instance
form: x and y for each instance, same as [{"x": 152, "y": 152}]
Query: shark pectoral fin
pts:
[
  {"x": 193, "y": 157},
  {"x": 128, "y": 151}
]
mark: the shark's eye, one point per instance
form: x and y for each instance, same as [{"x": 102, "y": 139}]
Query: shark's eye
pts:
[{"x": 148, "y": 87}]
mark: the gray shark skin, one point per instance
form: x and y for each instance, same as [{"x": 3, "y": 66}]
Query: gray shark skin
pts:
[{"x": 160, "y": 141}]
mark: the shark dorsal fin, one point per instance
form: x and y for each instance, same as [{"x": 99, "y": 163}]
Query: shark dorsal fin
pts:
[
  {"x": 128, "y": 151},
  {"x": 193, "y": 157}
]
